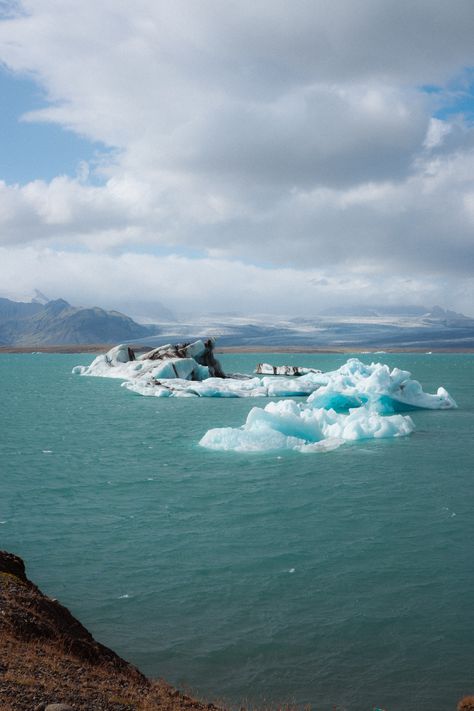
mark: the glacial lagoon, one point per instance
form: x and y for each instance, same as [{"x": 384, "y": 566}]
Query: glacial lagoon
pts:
[{"x": 338, "y": 578}]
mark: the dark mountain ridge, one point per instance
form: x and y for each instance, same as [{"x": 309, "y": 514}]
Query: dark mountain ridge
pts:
[
  {"x": 16, "y": 310},
  {"x": 59, "y": 323}
]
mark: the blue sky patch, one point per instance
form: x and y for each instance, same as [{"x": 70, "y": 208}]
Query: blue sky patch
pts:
[{"x": 30, "y": 151}]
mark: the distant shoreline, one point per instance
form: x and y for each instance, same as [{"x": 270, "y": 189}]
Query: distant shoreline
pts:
[
  {"x": 104, "y": 347},
  {"x": 336, "y": 350}
]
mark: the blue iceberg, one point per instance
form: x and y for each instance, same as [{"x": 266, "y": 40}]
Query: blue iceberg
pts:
[{"x": 301, "y": 427}]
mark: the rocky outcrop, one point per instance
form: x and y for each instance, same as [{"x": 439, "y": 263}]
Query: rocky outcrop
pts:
[
  {"x": 49, "y": 660},
  {"x": 29, "y": 615},
  {"x": 12, "y": 565}
]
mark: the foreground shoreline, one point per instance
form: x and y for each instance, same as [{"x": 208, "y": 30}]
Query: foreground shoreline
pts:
[
  {"x": 97, "y": 348},
  {"x": 50, "y": 662}
]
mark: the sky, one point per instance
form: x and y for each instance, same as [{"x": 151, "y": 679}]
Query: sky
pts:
[{"x": 248, "y": 156}]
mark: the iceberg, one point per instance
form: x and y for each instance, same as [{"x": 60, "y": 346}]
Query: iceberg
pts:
[
  {"x": 209, "y": 387},
  {"x": 301, "y": 427},
  {"x": 355, "y": 402},
  {"x": 387, "y": 391},
  {"x": 189, "y": 361},
  {"x": 191, "y": 370},
  {"x": 267, "y": 369}
]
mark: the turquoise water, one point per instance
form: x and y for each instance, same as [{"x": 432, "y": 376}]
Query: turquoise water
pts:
[{"x": 343, "y": 579}]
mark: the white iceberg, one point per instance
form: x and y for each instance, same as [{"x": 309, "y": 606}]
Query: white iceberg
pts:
[
  {"x": 354, "y": 402},
  {"x": 267, "y": 369},
  {"x": 167, "y": 362},
  {"x": 209, "y": 387},
  {"x": 289, "y": 425},
  {"x": 181, "y": 371}
]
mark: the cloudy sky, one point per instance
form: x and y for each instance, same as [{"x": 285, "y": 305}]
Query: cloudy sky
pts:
[{"x": 256, "y": 155}]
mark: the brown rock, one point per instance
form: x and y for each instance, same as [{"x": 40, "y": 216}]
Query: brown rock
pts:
[
  {"x": 46, "y": 654},
  {"x": 37, "y": 617},
  {"x": 12, "y": 565}
]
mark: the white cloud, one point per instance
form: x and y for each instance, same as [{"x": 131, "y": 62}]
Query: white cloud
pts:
[
  {"x": 134, "y": 282},
  {"x": 290, "y": 135},
  {"x": 437, "y": 131}
]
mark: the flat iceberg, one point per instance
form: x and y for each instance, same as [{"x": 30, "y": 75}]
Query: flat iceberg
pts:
[
  {"x": 267, "y": 369},
  {"x": 301, "y": 427}
]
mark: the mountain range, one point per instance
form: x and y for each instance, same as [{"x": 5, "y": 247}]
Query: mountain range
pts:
[
  {"x": 57, "y": 322},
  {"x": 41, "y": 322}
]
